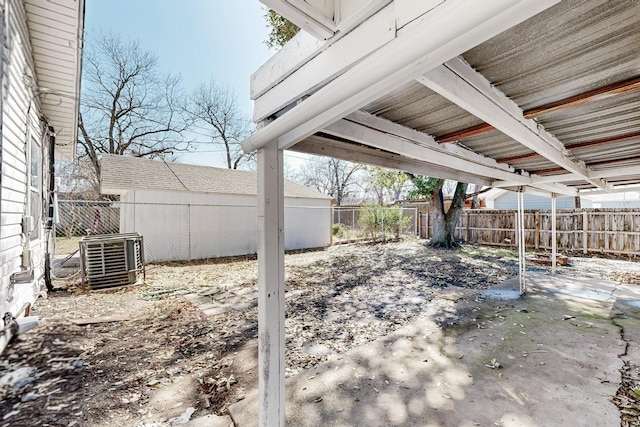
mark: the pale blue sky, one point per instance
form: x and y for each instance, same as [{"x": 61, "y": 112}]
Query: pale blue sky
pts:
[{"x": 198, "y": 39}]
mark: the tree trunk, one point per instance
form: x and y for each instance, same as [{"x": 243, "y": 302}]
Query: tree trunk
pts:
[
  {"x": 576, "y": 202},
  {"x": 444, "y": 223}
]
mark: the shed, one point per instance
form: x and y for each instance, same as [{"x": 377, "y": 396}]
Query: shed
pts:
[{"x": 187, "y": 212}]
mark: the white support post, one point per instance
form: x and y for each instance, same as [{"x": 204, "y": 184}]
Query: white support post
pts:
[
  {"x": 271, "y": 340},
  {"x": 553, "y": 234},
  {"x": 521, "y": 242}
]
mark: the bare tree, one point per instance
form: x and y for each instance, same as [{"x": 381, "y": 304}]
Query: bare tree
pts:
[
  {"x": 336, "y": 178},
  {"x": 127, "y": 107},
  {"x": 78, "y": 180},
  {"x": 213, "y": 109}
]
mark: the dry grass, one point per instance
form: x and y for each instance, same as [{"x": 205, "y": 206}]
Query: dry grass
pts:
[{"x": 66, "y": 246}]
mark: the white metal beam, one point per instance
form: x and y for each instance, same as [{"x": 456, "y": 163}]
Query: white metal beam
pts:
[
  {"x": 322, "y": 146},
  {"x": 383, "y": 134},
  {"x": 442, "y": 33},
  {"x": 603, "y": 173},
  {"x": 520, "y": 237},
  {"x": 620, "y": 189},
  {"x": 507, "y": 184},
  {"x": 271, "y": 339},
  {"x": 406, "y": 147},
  {"x": 388, "y": 127},
  {"x": 461, "y": 84},
  {"x": 548, "y": 189},
  {"x": 545, "y": 188},
  {"x": 324, "y": 18},
  {"x": 554, "y": 243},
  {"x": 290, "y": 58},
  {"x": 358, "y": 153},
  {"x": 338, "y": 56},
  {"x": 376, "y": 132},
  {"x": 304, "y": 47}
]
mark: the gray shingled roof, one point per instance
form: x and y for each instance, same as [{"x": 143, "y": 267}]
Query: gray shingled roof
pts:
[{"x": 123, "y": 173}]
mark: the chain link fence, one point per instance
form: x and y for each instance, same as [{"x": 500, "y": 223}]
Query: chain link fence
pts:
[
  {"x": 189, "y": 231},
  {"x": 78, "y": 218},
  {"x": 374, "y": 222},
  {"x": 82, "y": 217},
  {"x": 176, "y": 232}
]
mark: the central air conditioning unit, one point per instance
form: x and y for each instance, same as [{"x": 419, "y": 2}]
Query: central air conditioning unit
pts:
[{"x": 112, "y": 260}]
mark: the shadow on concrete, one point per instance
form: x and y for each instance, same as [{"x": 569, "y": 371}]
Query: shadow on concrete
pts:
[{"x": 550, "y": 358}]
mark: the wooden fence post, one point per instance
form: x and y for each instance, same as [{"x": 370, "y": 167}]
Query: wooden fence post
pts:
[
  {"x": 466, "y": 238},
  {"x": 585, "y": 237},
  {"x": 606, "y": 232},
  {"x": 493, "y": 228},
  {"x": 536, "y": 236},
  {"x": 427, "y": 225}
]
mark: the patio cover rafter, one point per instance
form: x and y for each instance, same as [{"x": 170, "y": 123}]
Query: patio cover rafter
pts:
[
  {"x": 598, "y": 94},
  {"x": 382, "y": 134},
  {"x": 462, "y": 85},
  {"x": 585, "y": 98},
  {"x": 577, "y": 146},
  {"x": 609, "y": 173},
  {"x": 326, "y": 146}
]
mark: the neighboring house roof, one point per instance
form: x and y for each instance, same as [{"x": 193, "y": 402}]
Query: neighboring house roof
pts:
[
  {"x": 120, "y": 173},
  {"x": 55, "y": 30}
]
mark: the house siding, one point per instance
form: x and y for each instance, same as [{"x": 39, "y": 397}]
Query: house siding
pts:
[
  {"x": 618, "y": 204},
  {"x": 20, "y": 125},
  {"x": 509, "y": 200}
]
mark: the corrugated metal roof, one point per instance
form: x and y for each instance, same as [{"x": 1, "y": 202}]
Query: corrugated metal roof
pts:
[
  {"x": 55, "y": 28},
  {"x": 569, "y": 49},
  {"x": 560, "y": 91},
  {"x": 420, "y": 108},
  {"x": 121, "y": 173}
]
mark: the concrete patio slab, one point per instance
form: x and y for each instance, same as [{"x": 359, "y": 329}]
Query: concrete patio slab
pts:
[{"x": 549, "y": 358}]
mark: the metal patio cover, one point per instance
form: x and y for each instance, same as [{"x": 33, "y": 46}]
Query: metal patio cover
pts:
[
  {"x": 501, "y": 93},
  {"x": 530, "y": 94}
]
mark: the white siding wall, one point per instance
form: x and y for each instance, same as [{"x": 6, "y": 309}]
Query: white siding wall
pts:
[
  {"x": 20, "y": 121},
  {"x": 307, "y": 223},
  {"x": 182, "y": 225},
  {"x": 532, "y": 201}
]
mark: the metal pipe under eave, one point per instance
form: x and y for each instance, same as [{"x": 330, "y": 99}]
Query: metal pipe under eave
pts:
[
  {"x": 554, "y": 248},
  {"x": 521, "y": 242}
]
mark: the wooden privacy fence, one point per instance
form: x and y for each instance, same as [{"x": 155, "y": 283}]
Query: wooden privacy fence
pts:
[{"x": 610, "y": 231}]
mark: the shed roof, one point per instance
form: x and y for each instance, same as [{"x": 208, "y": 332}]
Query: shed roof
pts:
[
  {"x": 121, "y": 173},
  {"x": 543, "y": 94}
]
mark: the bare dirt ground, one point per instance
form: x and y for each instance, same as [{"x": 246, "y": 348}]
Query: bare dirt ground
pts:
[{"x": 164, "y": 355}]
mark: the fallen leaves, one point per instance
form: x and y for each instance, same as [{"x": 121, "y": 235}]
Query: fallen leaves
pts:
[{"x": 336, "y": 300}]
